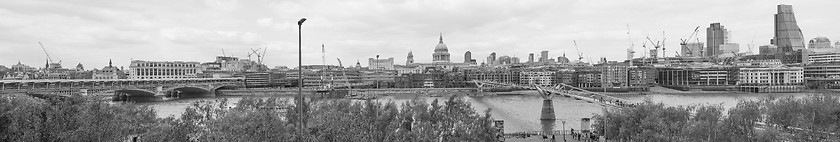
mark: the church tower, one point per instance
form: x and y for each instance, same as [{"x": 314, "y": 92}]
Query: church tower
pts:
[{"x": 409, "y": 59}]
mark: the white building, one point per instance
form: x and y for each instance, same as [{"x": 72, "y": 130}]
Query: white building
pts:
[
  {"x": 163, "y": 70},
  {"x": 771, "y": 76}
]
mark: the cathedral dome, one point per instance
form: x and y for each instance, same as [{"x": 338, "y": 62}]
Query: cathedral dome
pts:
[
  {"x": 441, "y": 54},
  {"x": 441, "y": 47}
]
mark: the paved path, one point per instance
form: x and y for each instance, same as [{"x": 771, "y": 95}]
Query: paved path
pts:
[{"x": 537, "y": 138}]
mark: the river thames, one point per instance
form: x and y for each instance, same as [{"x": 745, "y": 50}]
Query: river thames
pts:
[{"x": 521, "y": 112}]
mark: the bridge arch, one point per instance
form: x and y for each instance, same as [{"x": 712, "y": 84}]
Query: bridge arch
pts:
[
  {"x": 136, "y": 92},
  {"x": 190, "y": 91}
]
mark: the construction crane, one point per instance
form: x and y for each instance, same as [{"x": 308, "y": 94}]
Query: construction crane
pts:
[
  {"x": 663, "y": 45},
  {"x": 630, "y": 51},
  {"x": 697, "y": 40},
  {"x": 656, "y": 47},
  {"x": 684, "y": 42},
  {"x": 580, "y": 55},
  {"x": 45, "y": 52},
  {"x": 256, "y": 52},
  {"x": 344, "y": 73}
]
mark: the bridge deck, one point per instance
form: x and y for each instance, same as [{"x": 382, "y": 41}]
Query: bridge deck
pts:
[{"x": 571, "y": 91}]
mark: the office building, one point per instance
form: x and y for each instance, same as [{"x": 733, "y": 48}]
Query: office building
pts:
[
  {"x": 544, "y": 56},
  {"x": 788, "y": 36},
  {"x": 468, "y": 57},
  {"x": 531, "y": 58},
  {"x": 716, "y": 35}
]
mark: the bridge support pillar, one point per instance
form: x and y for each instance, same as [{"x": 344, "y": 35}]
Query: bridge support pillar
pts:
[
  {"x": 547, "y": 112},
  {"x": 159, "y": 91}
]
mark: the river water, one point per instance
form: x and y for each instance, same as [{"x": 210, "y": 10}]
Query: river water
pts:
[{"x": 521, "y": 112}]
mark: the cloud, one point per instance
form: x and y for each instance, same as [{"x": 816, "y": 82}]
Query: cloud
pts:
[
  {"x": 201, "y": 36},
  {"x": 196, "y": 30}
]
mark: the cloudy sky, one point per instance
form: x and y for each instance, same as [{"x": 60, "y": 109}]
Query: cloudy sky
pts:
[{"x": 91, "y": 32}]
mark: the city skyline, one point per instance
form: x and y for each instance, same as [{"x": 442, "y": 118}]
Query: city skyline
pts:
[{"x": 92, "y": 33}]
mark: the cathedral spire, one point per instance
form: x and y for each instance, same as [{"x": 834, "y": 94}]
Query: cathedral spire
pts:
[
  {"x": 109, "y": 63},
  {"x": 441, "y": 37}
]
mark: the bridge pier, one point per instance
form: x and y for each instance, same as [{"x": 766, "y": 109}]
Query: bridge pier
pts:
[{"x": 547, "y": 112}]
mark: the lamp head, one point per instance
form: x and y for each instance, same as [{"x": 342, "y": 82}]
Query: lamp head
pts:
[{"x": 300, "y": 22}]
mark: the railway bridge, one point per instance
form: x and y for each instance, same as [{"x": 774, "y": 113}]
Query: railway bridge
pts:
[{"x": 120, "y": 87}]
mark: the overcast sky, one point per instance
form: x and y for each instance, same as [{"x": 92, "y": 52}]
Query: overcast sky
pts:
[{"x": 92, "y": 31}]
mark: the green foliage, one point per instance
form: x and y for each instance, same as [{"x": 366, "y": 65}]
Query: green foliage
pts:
[
  {"x": 76, "y": 118},
  {"x": 811, "y": 118},
  {"x": 23, "y": 118}
]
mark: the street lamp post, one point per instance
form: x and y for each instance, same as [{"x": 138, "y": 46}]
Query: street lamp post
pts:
[
  {"x": 300, "y": 81},
  {"x": 564, "y": 130}
]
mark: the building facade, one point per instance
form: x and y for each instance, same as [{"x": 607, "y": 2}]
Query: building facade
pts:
[
  {"x": 139, "y": 69},
  {"x": 381, "y": 64},
  {"x": 541, "y": 78}
]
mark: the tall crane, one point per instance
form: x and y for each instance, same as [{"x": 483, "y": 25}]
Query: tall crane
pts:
[
  {"x": 630, "y": 51},
  {"x": 684, "y": 42},
  {"x": 663, "y": 45},
  {"x": 656, "y": 47},
  {"x": 344, "y": 73},
  {"x": 45, "y": 52},
  {"x": 580, "y": 55},
  {"x": 256, "y": 52}
]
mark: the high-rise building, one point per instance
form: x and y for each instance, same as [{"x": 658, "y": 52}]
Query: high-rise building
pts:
[
  {"x": 467, "y": 57},
  {"x": 819, "y": 42},
  {"x": 788, "y": 36},
  {"x": 514, "y": 60},
  {"x": 544, "y": 56},
  {"x": 441, "y": 54},
  {"x": 716, "y": 35},
  {"x": 531, "y": 58},
  {"x": 409, "y": 59},
  {"x": 492, "y": 58},
  {"x": 692, "y": 50}
]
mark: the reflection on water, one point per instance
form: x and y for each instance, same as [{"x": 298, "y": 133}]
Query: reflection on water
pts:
[{"x": 520, "y": 112}]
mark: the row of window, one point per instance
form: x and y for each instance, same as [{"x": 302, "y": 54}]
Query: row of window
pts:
[{"x": 167, "y": 65}]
